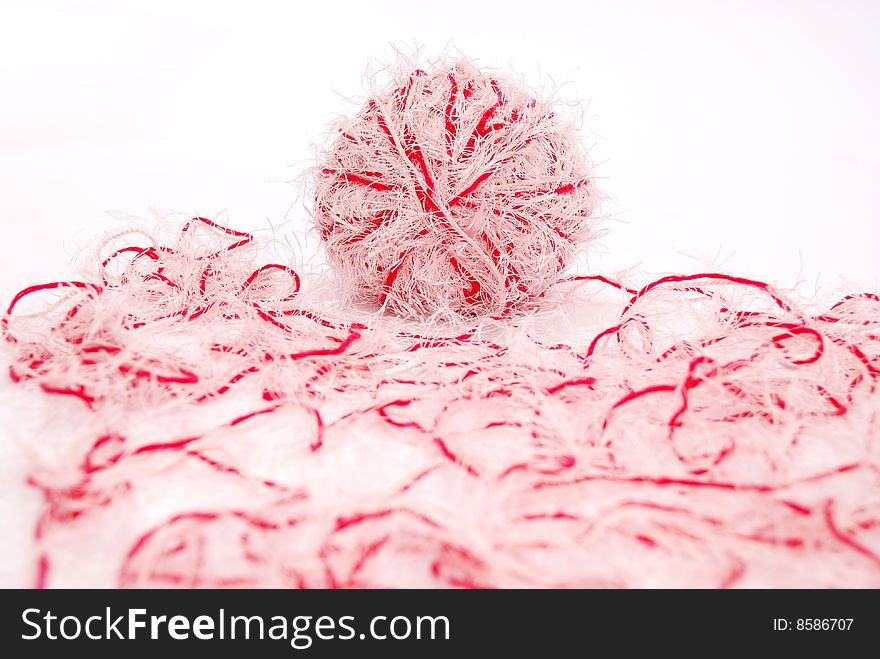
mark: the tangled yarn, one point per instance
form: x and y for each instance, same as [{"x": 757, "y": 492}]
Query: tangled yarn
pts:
[{"x": 215, "y": 427}]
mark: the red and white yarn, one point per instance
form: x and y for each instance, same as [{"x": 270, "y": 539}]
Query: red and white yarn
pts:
[
  {"x": 213, "y": 427},
  {"x": 207, "y": 418},
  {"x": 453, "y": 191},
  {"x": 187, "y": 318}
]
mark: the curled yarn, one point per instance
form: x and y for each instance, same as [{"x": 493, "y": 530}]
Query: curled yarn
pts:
[{"x": 215, "y": 427}]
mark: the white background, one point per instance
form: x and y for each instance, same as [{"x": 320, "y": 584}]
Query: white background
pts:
[{"x": 744, "y": 133}]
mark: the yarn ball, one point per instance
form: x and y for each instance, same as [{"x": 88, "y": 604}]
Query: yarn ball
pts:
[{"x": 453, "y": 191}]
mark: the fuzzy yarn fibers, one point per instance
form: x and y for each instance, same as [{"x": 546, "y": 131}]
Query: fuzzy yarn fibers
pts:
[
  {"x": 194, "y": 416},
  {"x": 453, "y": 192}
]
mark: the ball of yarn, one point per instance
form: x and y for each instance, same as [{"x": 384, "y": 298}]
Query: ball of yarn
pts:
[{"x": 453, "y": 191}]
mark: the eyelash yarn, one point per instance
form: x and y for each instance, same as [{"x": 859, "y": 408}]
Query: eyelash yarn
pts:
[
  {"x": 202, "y": 416},
  {"x": 453, "y": 191}
]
